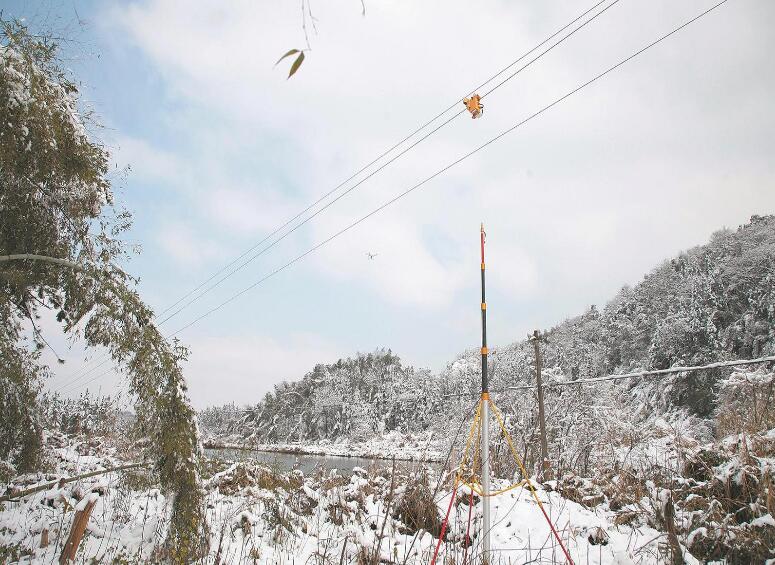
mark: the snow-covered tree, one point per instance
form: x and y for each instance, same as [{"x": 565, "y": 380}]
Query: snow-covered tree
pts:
[{"x": 57, "y": 211}]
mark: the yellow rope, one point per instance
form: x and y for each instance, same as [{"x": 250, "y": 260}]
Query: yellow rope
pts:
[
  {"x": 475, "y": 433},
  {"x": 514, "y": 453},
  {"x": 476, "y": 430},
  {"x": 478, "y": 444},
  {"x": 476, "y": 487},
  {"x": 477, "y": 417}
]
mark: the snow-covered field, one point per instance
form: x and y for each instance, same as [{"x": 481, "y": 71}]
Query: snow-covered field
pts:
[{"x": 721, "y": 497}]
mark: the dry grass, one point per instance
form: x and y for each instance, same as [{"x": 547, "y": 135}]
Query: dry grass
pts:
[{"x": 416, "y": 508}]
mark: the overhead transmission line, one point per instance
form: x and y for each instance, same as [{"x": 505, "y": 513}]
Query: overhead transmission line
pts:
[
  {"x": 633, "y": 375},
  {"x": 396, "y": 145},
  {"x": 444, "y": 169},
  {"x": 362, "y": 169},
  {"x": 398, "y": 155},
  {"x": 654, "y": 373}
]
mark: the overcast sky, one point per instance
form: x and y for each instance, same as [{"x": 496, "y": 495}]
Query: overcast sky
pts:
[{"x": 585, "y": 198}]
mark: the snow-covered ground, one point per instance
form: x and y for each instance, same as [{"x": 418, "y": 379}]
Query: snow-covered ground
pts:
[{"x": 258, "y": 515}]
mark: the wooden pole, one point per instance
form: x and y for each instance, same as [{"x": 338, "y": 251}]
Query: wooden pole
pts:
[
  {"x": 80, "y": 520},
  {"x": 544, "y": 468}
]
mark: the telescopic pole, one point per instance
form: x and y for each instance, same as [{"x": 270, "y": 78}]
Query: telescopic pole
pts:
[{"x": 485, "y": 422}]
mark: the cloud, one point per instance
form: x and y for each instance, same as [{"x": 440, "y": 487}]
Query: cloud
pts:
[
  {"x": 244, "y": 368},
  {"x": 247, "y": 211},
  {"x": 361, "y": 89},
  {"x": 147, "y": 162},
  {"x": 588, "y": 196},
  {"x": 185, "y": 247},
  {"x": 404, "y": 270}
]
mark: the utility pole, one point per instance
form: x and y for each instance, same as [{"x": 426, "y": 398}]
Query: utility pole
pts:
[
  {"x": 545, "y": 471},
  {"x": 485, "y": 401}
]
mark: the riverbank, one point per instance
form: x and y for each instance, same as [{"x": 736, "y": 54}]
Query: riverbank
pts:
[{"x": 420, "y": 448}]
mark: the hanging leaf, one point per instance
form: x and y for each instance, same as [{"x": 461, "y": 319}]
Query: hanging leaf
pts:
[
  {"x": 288, "y": 54},
  {"x": 296, "y": 64}
]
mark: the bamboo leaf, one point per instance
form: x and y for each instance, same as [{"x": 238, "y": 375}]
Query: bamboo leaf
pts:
[
  {"x": 288, "y": 54},
  {"x": 296, "y": 64}
]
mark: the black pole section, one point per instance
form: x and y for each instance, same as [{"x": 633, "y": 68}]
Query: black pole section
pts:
[{"x": 485, "y": 380}]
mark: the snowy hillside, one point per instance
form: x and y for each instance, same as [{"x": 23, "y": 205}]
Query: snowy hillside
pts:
[{"x": 714, "y": 302}]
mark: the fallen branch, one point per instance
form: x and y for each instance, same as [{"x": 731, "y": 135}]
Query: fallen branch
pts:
[{"x": 12, "y": 496}]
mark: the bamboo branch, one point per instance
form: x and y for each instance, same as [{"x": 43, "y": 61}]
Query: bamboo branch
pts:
[{"x": 44, "y": 258}]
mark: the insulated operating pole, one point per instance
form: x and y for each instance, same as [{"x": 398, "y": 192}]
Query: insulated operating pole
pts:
[{"x": 485, "y": 422}]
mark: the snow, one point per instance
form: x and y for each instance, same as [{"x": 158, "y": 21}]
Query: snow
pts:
[
  {"x": 698, "y": 532},
  {"x": 766, "y": 520},
  {"x": 18, "y": 74},
  {"x": 258, "y": 515},
  {"x": 85, "y": 501},
  {"x": 303, "y": 516},
  {"x": 520, "y": 530}
]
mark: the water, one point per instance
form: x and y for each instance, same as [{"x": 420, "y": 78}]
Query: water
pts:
[{"x": 306, "y": 463}]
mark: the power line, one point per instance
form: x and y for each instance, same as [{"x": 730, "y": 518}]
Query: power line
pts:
[
  {"x": 655, "y": 373},
  {"x": 444, "y": 169},
  {"x": 637, "y": 374},
  {"x": 612, "y": 377},
  {"x": 381, "y": 167},
  {"x": 441, "y": 171},
  {"x": 68, "y": 385},
  {"x": 388, "y": 151},
  {"x": 385, "y": 153}
]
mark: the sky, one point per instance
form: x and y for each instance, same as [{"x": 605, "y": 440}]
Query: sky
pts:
[{"x": 213, "y": 149}]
